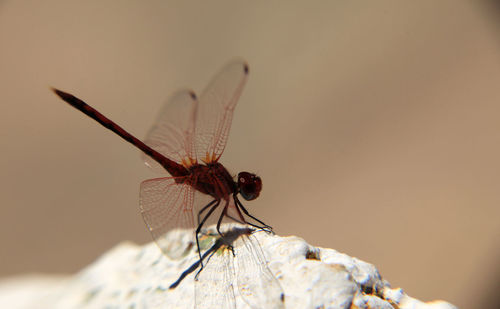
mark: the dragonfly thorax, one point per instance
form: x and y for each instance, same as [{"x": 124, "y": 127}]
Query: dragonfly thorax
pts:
[{"x": 213, "y": 179}]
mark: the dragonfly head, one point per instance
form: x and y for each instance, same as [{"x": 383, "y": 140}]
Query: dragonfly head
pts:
[{"x": 249, "y": 185}]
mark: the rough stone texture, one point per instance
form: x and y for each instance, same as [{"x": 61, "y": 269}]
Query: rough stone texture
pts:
[{"x": 265, "y": 271}]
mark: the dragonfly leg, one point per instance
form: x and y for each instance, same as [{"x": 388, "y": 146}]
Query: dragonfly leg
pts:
[
  {"x": 203, "y": 209},
  {"x": 236, "y": 201},
  {"x": 223, "y": 214},
  {"x": 243, "y": 221},
  {"x": 264, "y": 226},
  {"x": 258, "y": 227},
  {"x": 198, "y": 229},
  {"x": 236, "y": 220}
]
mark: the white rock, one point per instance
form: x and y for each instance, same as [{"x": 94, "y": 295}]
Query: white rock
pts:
[{"x": 283, "y": 272}]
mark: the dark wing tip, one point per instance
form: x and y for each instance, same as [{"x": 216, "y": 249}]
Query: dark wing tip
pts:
[
  {"x": 245, "y": 68},
  {"x": 193, "y": 95}
]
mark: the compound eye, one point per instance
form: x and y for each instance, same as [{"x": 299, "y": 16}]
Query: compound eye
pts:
[{"x": 249, "y": 185}]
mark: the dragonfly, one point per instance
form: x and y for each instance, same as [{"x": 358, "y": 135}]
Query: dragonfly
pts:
[{"x": 187, "y": 141}]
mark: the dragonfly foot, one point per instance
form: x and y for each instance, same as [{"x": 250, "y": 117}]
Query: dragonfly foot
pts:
[{"x": 230, "y": 247}]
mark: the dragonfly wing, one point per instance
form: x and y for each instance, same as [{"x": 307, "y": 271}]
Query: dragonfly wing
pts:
[
  {"x": 258, "y": 287},
  {"x": 172, "y": 135},
  {"x": 215, "y": 110},
  {"x": 247, "y": 270},
  {"x": 167, "y": 206},
  {"x": 214, "y": 287}
]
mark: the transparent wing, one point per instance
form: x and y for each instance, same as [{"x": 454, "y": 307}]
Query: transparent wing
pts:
[
  {"x": 168, "y": 206},
  {"x": 215, "y": 110},
  {"x": 172, "y": 135},
  {"x": 214, "y": 287},
  {"x": 246, "y": 270},
  {"x": 255, "y": 283}
]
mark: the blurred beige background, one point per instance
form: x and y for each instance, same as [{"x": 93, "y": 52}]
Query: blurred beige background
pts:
[{"x": 374, "y": 125}]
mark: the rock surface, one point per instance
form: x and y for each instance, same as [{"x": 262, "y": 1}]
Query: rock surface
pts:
[{"x": 261, "y": 271}]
